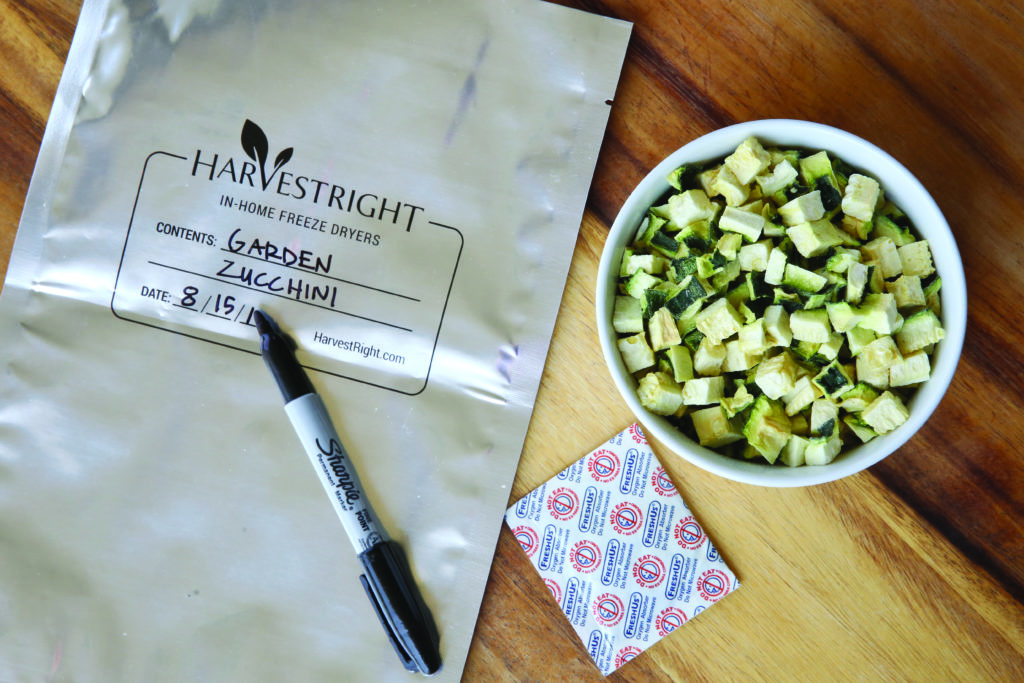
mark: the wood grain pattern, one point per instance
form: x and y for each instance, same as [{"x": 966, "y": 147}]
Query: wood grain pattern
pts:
[{"x": 913, "y": 570}]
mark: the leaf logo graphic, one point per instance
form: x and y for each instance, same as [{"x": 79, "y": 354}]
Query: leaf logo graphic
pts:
[{"x": 257, "y": 148}]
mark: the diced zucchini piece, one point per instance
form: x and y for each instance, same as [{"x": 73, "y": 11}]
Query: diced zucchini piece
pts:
[
  {"x": 824, "y": 415},
  {"x": 689, "y": 207},
  {"x": 810, "y": 326},
  {"x": 856, "y": 228},
  {"x": 684, "y": 177},
  {"x": 719, "y": 321},
  {"x": 931, "y": 294},
  {"x": 640, "y": 282},
  {"x": 636, "y": 353},
  {"x": 792, "y": 453},
  {"x": 875, "y": 359},
  {"x": 776, "y": 326},
  {"x": 651, "y": 224},
  {"x": 738, "y": 402},
  {"x": 833, "y": 380},
  {"x": 840, "y": 261},
  {"x": 689, "y": 292},
  {"x": 627, "y": 318},
  {"x": 748, "y": 225},
  {"x": 729, "y": 272},
  {"x": 880, "y": 315},
  {"x": 916, "y": 259},
  {"x": 782, "y": 176},
  {"x": 768, "y": 428},
  {"x": 907, "y": 291},
  {"x": 775, "y": 269},
  {"x": 800, "y": 396},
  {"x": 857, "y": 276},
  {"x": 758, "y": 288},
  {"x": 726, "y": 184},
  {"x": 752, "y": 338},
  {"x": 914, "y": 369},
  {"x": 624, "y": 264},
  {"x": 843, "y": 316},
  {"x": 701, "y": 391},
  {"x": 830, "y": 349},
  {"x": 748, "y": 161},
  {"x": 823, "y": 449},
  {"x": 736, "y": 359},
  {"x": 859, "y": 427},
  {"x": 776, "y": 376},
  {"x": 681, "y": 361},
  {"x": 813, "y": 238},
  {"x": 803, "y": 279},
  {"x": 713, "y": 427},
  {"x": 885, "y": 413},
  {"x": 679, "y": 268},
  {"x": 803, "y": 209},
  {"x": 816, "y": 166},
  {"x": 858, "y": 398},
  {"x": 663, "y": 330},
  {"x": 651, "y": 301},
  {"x": 755, "y": 256},
  {"x": 861, "y": 196},
  {"x": 919, "y": 331},
  {"x": 729, "y": 244},
  {"x": 800, "y": 425},
  {"x": 660, "y": 394},
  {"x": 858, "y": 338},
  {"x": 885, "y": 227},
  {"x": 665, "y": 244},
  {"x": 882, "y": 250},
  {"x": 709, "y": 358}
]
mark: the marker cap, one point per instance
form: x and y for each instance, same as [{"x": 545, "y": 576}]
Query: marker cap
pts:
[{"x": 400, "y": 608}]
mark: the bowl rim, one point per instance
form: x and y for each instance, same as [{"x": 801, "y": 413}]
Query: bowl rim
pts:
[{"x": 900, "y": 185}]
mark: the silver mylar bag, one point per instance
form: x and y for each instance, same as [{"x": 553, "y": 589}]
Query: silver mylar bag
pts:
[{"x": 400, "y": 184}]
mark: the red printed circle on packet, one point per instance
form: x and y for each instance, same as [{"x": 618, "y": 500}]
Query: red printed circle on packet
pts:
[
  {"x": 585, "y": 556},
  {"x": 626, "y": 518},
  {"x": 603, "y": 465},
  {"x": 663, "y": 486},
  {"x": 689, "y": 534},
  {"x": 637, "y": 434},
  {"x": 649, "y": 571},
  {"x": 528, "y": 539},
  {"x": 626, "y": 654},
  {"x": 608, "y": 609},
  {"x": 713, "y": 585},
  {"x": 563, "y": 504},
  {"x": 668, "y": 620},
  {"x": 556, "y": 590}
]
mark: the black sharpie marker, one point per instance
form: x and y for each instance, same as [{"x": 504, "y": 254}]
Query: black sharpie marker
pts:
[{"x": 387, "y": 582}]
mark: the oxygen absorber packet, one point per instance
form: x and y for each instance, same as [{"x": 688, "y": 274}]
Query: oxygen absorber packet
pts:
[{"x": 619, "y": 550}]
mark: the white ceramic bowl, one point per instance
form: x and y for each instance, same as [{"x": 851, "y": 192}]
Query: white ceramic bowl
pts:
[{"x": 899, "y": 185}]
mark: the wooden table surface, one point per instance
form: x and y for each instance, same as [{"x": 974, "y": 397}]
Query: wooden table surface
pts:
[{"x": 913, "y": 570}]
